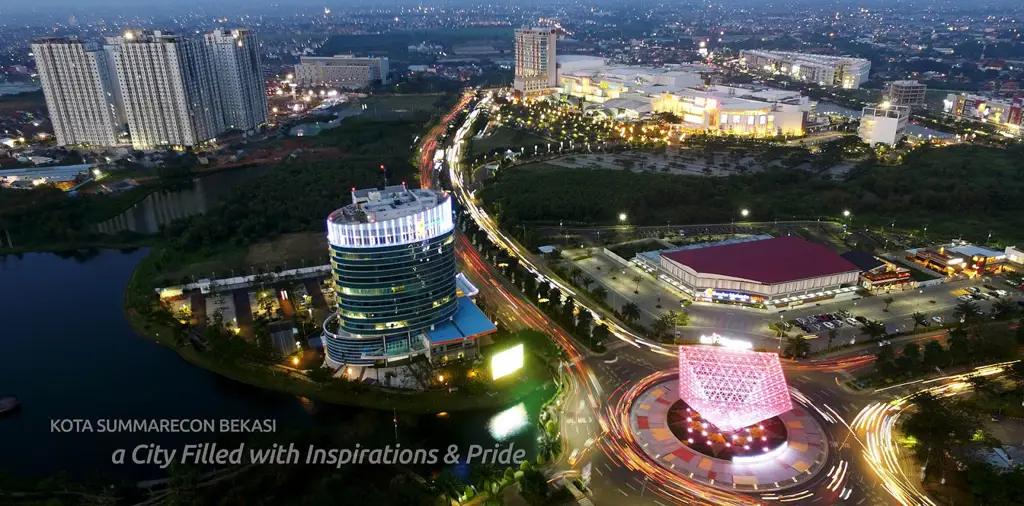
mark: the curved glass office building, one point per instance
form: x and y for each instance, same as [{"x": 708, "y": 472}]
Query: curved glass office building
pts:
[{"x": 393, "y": 264}]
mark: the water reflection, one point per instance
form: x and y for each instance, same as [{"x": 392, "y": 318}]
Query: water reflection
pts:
[
  {"x": 96, "y": 367},
  {"x": 164, "y": 206}
]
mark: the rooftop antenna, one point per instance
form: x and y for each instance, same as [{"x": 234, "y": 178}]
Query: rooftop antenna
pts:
[{"x": 385, "y": 171}]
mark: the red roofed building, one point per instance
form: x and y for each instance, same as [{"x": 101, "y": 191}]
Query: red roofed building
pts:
[{"x": 767, "y": 271}]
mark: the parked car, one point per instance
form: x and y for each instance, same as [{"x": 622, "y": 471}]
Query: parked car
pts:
[
  {"x": 1002, "y": 293},
  {"x": 851, "y": 321},
  {"x": 937, "y": 319},
  {"x": 829, "y": 325},
  {"x": 973, "y": 289},
  {"x": 860, "y": 319}
]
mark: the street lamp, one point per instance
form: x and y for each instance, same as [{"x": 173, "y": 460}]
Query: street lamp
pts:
[
  {"x": 846, "y": 213},
  {"x": 744, "y": 212},
  {"x": 622, "y": 217}
]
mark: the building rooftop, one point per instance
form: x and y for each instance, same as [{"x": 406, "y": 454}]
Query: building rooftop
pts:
[
  {"x": 972, "y": 250},
  {"x": 371, "y": 205},
  {"x": 862, "y": 259},
  {"x": 807, "y": 58},
  {"x": 468, "y": 322},
  {"x": 768, "y": 261}
]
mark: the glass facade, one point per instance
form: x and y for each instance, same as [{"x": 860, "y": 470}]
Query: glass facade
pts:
[{"x": 395, "y": 289}]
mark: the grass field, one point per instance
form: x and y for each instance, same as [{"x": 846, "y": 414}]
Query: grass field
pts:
[
  {"x": 505, "y": 138},
  {"x": 399, "y": 106},
  {"x": 287, "y": 252}
]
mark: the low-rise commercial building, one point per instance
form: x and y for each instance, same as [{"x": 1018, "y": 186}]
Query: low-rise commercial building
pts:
[
  {"x": 878, "y": 274},
  {"x": 1008, "y": 115},
  {"x": 1014, "y": 255},
  {"x": 842, "y": 71},
  {"x": 346, "y": 71},
  {"x": 960, "y": 259},
  {"x": 759, "y": 271},
  {"x": 883, "y": 124}
]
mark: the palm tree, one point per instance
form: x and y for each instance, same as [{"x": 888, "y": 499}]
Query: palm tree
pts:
[
  {"x": 599, "y": 293},
  {"x": 630, "y": 312},
  {"x": 779, "y": 328},
  {"x": 796, "y": 347},
  {"x": 887, "y": 301},
  {"x": 575, "y": 273},
  {"x": 919, "y": 320},
  {"x": 965, "y": 311},
  {"x": 660, "y": 328},
  {"x": 1003, "y": 306},
  {"x": 586, "y": 281},
  {"x": 873, "y": 330},
  {"x": 832, "y": 333},
  {"x": 637, "y": 279}
]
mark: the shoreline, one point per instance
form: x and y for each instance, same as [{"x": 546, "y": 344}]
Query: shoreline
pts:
[{"x": 292, "y": 383}]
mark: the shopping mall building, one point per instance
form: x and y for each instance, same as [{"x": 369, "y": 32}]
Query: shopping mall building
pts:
[
  {"x": 398, "y": 296},
  {"x": 685, "y": 91},
  {"x": 759, "y": 271}
]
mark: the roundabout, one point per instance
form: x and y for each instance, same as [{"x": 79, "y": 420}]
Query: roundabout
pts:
[{"x": 775, "y": 454}]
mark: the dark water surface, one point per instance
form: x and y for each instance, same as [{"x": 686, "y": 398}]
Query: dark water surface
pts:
[{"x": 67, "y": 351}]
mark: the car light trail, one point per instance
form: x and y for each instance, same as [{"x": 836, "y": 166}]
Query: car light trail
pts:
[{"x": 878, "y": 422}]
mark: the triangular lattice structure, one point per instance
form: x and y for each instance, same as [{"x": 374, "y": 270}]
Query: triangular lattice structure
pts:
[{"x": 732, "y": 388}]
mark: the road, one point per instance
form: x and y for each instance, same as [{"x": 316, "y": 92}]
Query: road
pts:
[{"x": 863, "y": 468}]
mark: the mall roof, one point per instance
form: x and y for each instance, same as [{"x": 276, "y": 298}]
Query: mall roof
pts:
[
  {"x": 469, "y": 322},
  {"x": 770, "y": 261}
]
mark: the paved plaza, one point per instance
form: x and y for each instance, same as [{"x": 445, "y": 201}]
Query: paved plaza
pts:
[{"x": 802, "y": 456}]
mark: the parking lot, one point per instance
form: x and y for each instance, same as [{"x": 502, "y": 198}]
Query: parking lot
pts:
[{"x": 937, "y": 303}]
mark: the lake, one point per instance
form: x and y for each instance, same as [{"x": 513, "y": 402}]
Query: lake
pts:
[
  {"x": 69, "y": 353},
  {"x": 164, "y": 206}
]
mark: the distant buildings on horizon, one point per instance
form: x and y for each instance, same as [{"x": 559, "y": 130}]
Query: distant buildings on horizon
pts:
[
  {"x": 152, "y": 89},
  {"x": 842, "y": 71},
  {"x": 346, "y": 71}
]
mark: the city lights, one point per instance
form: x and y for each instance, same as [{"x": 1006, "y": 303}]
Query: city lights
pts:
[
  {"x": 507, "y": 362},
  {"x": 732, "y": 388},
  {"x": 508, "y": 423}
]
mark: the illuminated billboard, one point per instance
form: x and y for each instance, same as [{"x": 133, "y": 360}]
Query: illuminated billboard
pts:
[
  {"x": 507, "y": 362},
  {"x": 732, "y": 388}
]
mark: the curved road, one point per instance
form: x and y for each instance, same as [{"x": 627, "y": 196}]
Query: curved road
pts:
[{"x": 598, "y": 382}]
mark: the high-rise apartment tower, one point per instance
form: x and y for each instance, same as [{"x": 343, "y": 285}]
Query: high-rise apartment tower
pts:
[{"x": 80, "y": 92}]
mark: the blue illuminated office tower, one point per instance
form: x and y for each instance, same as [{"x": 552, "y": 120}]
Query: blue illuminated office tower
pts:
[{"x": 396, "y": 289}]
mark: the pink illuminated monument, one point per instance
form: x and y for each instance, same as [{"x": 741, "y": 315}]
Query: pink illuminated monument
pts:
[{"x": 732, "y": 388}]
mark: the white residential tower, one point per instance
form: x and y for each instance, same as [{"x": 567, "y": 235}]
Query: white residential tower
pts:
[
  {"x": 169, "y": 89},
  {"x": 236, "y": 67},
  {"x": 80, "y": 92}
]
